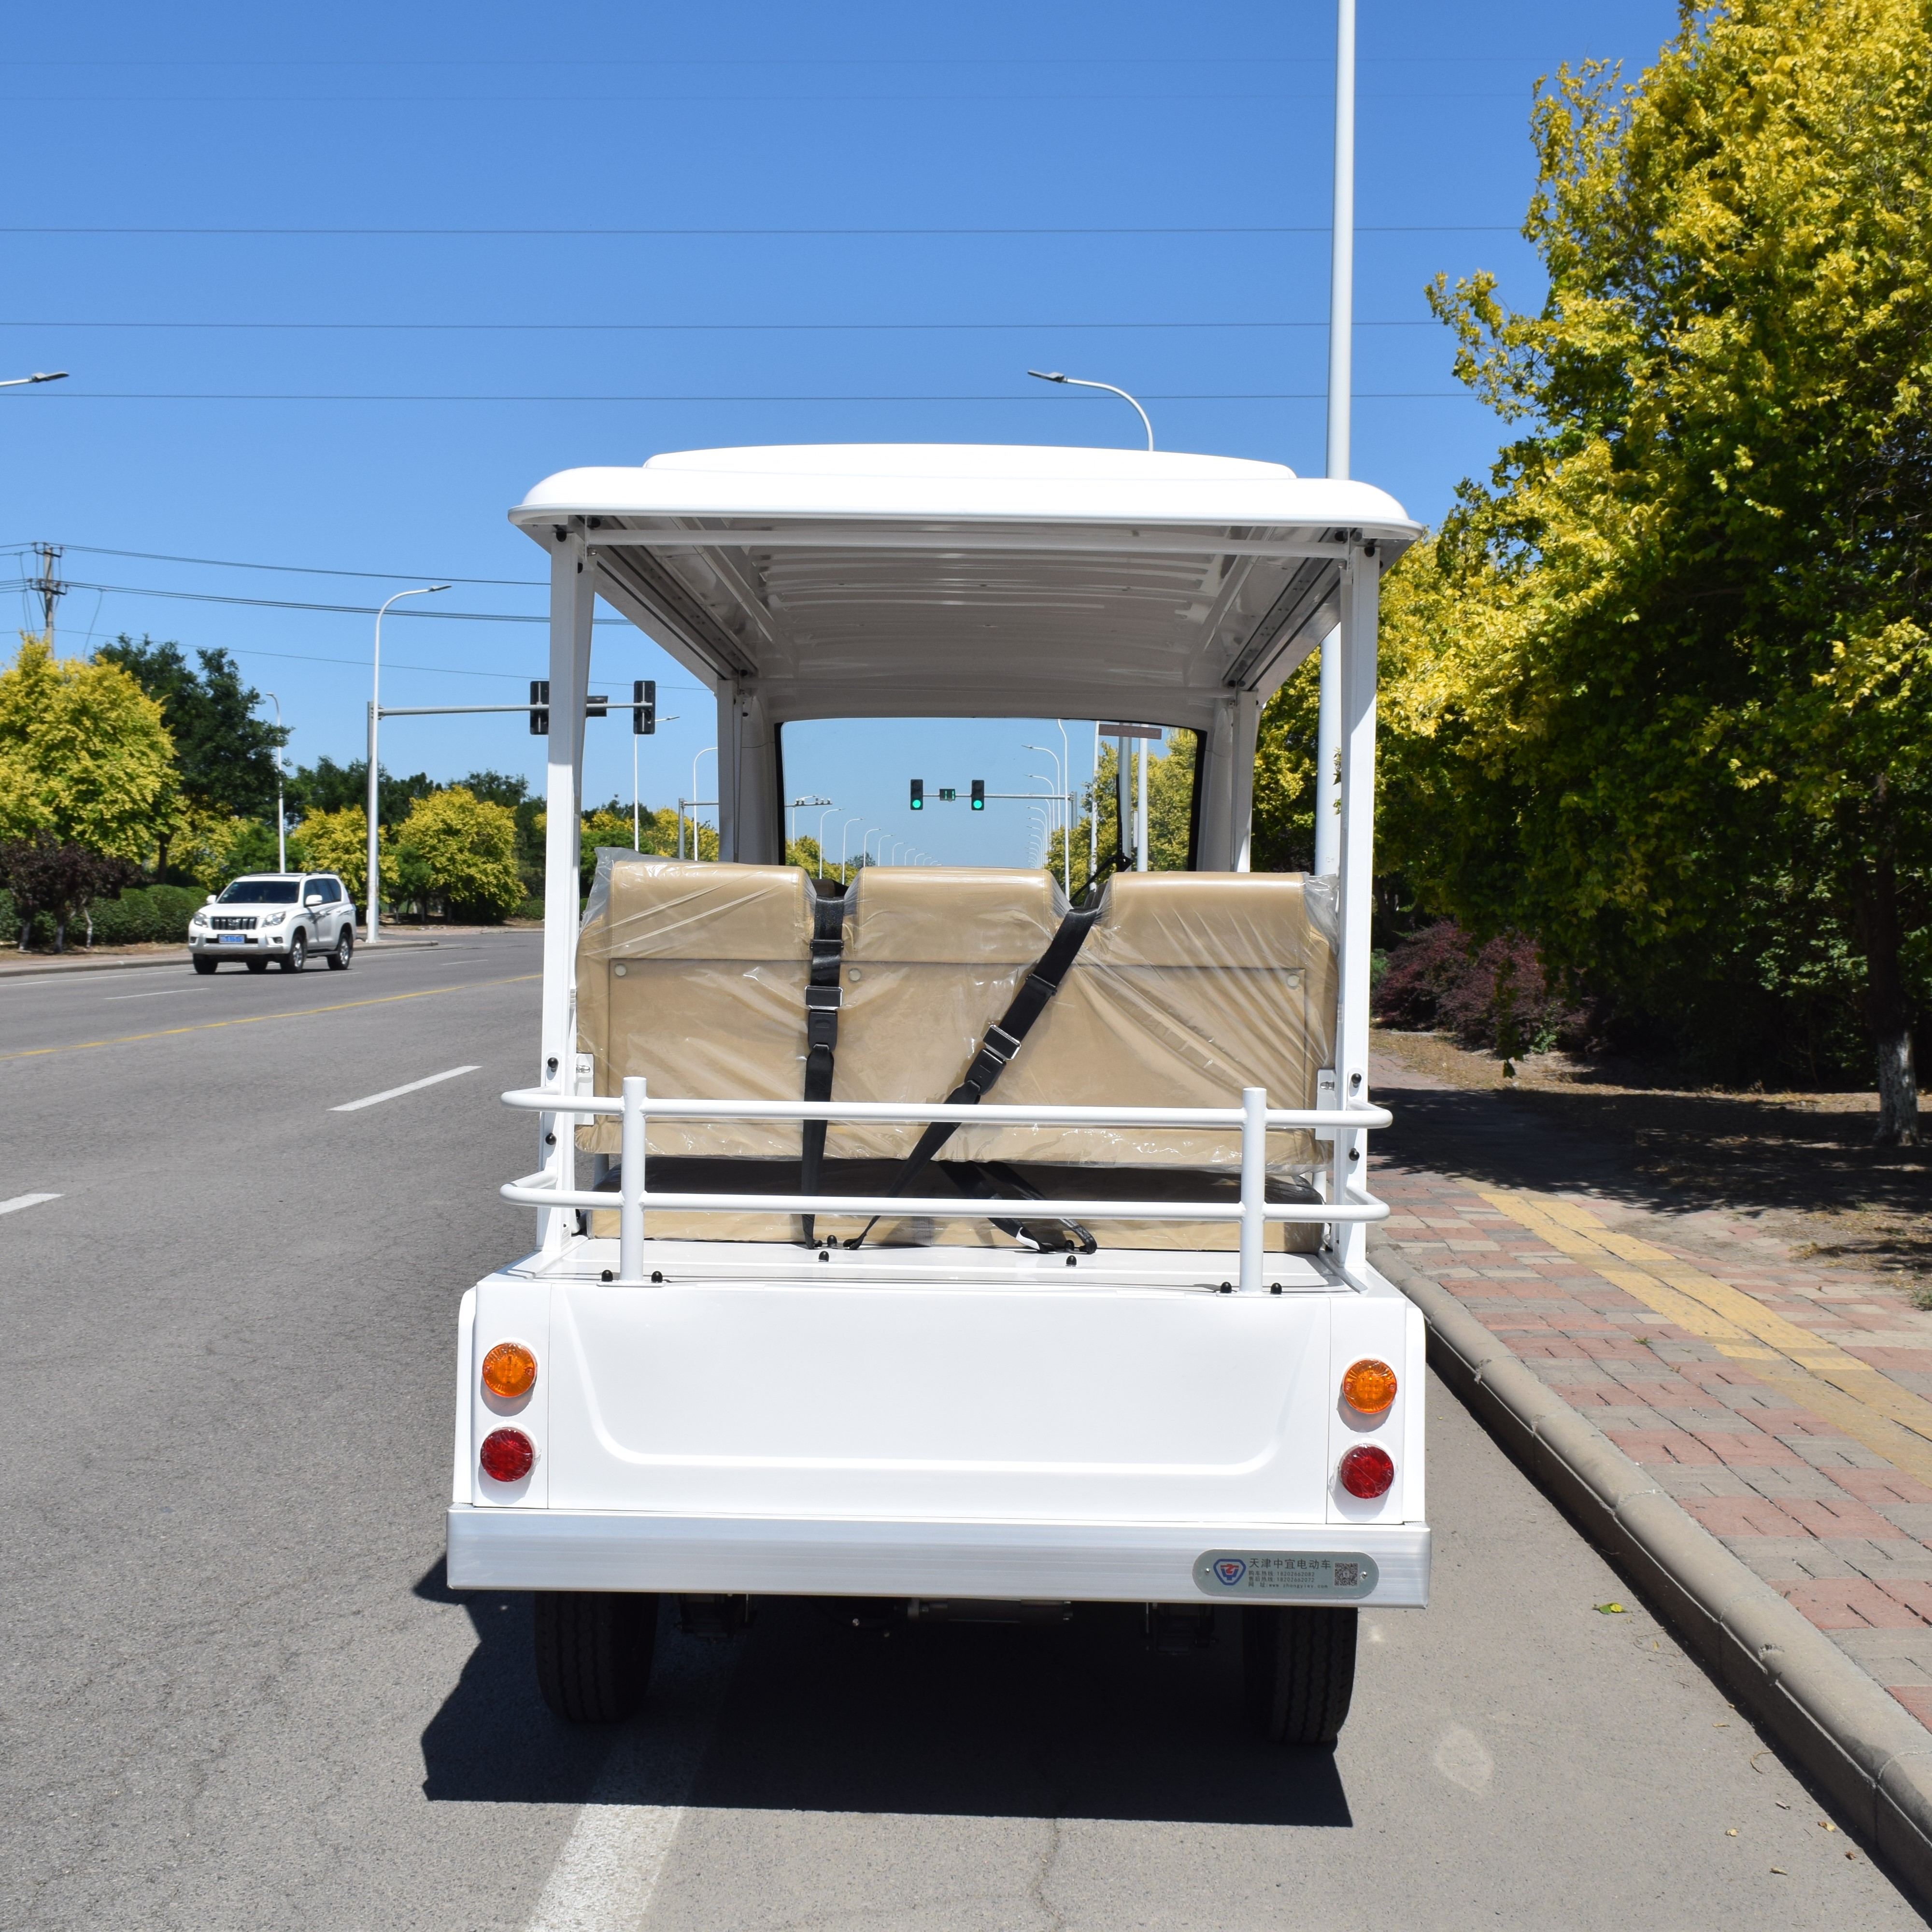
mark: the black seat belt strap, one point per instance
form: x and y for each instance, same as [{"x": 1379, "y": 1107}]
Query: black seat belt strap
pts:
[
  {"x": 822, "y": 995},
  {"x": 1002, "y": 1041}
]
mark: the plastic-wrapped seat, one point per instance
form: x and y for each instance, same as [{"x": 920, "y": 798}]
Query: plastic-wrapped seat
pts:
[{"x": 1190, "y": 987}]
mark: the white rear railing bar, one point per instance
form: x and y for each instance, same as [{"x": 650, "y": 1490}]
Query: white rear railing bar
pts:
[{"x": 1254, "y": 1118}]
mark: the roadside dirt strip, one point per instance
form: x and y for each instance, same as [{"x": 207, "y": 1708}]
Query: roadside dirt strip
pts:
[{"x": 1750, "y": 1436}]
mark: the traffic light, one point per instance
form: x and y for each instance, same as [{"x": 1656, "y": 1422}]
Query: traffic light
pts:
[
  {"x": 539, "y": 707},
  {"x": 979, "y": 794},
  {"x": 597, "y": 707},
  {"x": 644, "y": 707},
  {"x": 918, "y": 794}
]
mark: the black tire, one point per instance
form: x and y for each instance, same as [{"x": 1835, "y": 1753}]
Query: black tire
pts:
[
  {"x": 204, "y": 965},
  {"x": 340, "y": 953},
  {"x": 256, "y": 965},
  {"x": 1298, "y": 1671},
  {"x": 296, "y": 957},
  {"x": 593, "y": 1650}
]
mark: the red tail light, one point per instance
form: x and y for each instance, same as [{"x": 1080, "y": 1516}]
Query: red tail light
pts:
[
  {"x": 508, "y": 1455},
  {"x": 1366, "y": 1472}
]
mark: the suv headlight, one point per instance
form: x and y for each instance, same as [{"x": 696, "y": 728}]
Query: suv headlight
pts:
[
  {"x": 274, "y": 918},
  {"x": 199, "y": 918}
]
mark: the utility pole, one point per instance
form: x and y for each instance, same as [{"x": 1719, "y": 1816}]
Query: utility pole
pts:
[{"x": 50, "y": 587}]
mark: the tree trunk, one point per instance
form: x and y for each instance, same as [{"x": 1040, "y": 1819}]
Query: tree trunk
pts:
[{"x": 1887, "y": 1011}]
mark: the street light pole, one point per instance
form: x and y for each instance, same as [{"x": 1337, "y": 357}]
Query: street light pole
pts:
[
  {"x": 844, "y": 831},
  {"x": 1341, "y": 334},
  {"x": 822, "y": 817},
  {"x": 1080, "y": 382},
  {"x": 373, "y": 890},
  {"x": 281, "y": 817}
]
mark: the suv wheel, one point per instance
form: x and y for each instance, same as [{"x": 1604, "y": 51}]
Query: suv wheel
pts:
[
  {"x": 345, "y": 945},
  {"x": 296, "y": 958},
  {"x": 204, "y": 965}
]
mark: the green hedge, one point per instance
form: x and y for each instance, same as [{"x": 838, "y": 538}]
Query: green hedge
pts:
[{"x": 147, "y": 913}]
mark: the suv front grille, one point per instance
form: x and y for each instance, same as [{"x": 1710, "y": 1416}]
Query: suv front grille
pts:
[{"x": 233, "y": 922}]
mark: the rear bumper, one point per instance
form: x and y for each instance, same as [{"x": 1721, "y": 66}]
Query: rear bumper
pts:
[{"x": 585, "y": 1549}]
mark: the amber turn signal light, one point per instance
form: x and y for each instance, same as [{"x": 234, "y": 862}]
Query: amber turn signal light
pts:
[
  {"x": 1366, "y": 1472},
  {"x": 510, "y": 1370},
  {"x": 1368, "y": 1387},
  {"x": 508, "y": 1455}
]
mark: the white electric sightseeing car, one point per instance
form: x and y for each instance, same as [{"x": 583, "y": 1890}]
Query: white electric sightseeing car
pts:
[{"x": 935, "y": 1241}]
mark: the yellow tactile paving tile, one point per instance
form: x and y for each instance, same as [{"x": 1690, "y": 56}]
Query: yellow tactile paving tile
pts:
[{"x": 1815, "y": 1374}]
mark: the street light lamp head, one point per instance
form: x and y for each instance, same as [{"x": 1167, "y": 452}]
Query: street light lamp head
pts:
[{"x": 1047, "y": 375}]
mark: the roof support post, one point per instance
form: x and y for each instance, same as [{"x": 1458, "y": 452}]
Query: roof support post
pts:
[
  {"x": 1247, "y": 733},
  {"x": 1216, "y": 750},
  {"x": 751, "y": 815},
  {"x": 1356, "y": 636},
  {"x": 571, "y": 601}
]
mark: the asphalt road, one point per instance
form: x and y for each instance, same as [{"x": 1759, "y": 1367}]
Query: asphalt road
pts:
[{"x": 237, "y": 1693}]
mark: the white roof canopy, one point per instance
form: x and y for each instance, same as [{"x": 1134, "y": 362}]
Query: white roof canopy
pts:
[{"x": 936, "y": 580}]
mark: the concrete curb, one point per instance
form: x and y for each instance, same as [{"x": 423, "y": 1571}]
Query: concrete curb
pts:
[
  {"x": 178, "y": 959},
  {"x": 1871, "y": 1757},
  {"x": 175, "y": 959}
]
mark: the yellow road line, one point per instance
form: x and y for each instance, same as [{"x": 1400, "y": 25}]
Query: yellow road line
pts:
[
  {"x": 256, "y": 1019},
  {"x": 1852, "y": 1396}
]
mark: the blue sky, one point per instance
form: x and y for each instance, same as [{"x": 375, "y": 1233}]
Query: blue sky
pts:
[{"x": 174, "y": 438}]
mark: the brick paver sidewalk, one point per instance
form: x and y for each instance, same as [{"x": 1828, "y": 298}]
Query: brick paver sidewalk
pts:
[{"x": 1785, "y": 1405}]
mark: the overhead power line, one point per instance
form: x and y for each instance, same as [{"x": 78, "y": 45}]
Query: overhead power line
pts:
[
  {"x": 306, "y": 396},
  {"x": 289, "y": 604},
  {"x": 673, "y": 234},
  {"x": 703, "y": 328},
  {"x": 307, "y": 570}
]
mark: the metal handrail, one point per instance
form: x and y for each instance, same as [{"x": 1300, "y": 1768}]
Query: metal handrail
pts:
[{"x": 1254, "y": 1117}]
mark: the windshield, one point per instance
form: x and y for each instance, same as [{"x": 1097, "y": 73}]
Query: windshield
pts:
[
  {"x": 261, "y": 892},
  {"x": 849, "y": 781}
]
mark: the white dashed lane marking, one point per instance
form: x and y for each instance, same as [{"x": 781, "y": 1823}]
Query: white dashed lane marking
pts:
[
  {"x": 20, "y": 1201},
  {"x": 392, "y": 1093}
]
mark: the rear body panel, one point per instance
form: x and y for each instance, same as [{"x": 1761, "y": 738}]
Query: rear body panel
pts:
[{"x": 869, "y": 1425}]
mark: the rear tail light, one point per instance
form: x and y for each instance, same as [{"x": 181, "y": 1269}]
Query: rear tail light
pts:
[
  {"x": 1366, "y": 1472},
  {"x": 510, "y": 1370},
  {"x": 1368, "y": 1387},
  {"x": 509, "y": 1454}
]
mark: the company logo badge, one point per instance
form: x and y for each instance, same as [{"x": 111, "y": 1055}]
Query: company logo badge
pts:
[{"x": 1231, "y": 1569}]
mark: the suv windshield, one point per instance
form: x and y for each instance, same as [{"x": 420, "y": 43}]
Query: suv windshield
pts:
[{"x": 260, "y": 891}]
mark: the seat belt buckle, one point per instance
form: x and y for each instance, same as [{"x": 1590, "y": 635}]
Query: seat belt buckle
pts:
[
  {"x": 1001, "y": 1045},
  {"x": 824, "y": 999}
]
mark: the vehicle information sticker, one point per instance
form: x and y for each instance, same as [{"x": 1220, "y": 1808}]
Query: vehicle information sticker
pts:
[{"x": 1321, "y": 1576}]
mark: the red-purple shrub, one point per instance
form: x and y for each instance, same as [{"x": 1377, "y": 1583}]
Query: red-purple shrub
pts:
[{"x": 1494, "y": 997}]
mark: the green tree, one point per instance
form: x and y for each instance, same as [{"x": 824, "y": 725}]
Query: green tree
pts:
[
  {"x": 224, "y": 754},
  {"x": 84, "y": 754},
  {"x": 1170, "y": 812},
  {"x": 326, "y": 786},
  {"x": 1689, "y": 604},
  {"x": 460, "y": 849}
]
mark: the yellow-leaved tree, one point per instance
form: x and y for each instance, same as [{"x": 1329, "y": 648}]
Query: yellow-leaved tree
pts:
[
  {"x": 83, "y": 754},
  {"x": 338, "y": 842},
  {"x": 459, "y": 850}
]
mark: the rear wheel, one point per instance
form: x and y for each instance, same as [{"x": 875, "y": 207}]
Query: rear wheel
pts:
[
  {"x": 339, "y": 954},
  {"x": 1298, "y": 1670},
  {"x": 296, "y": 957},
  {"x": 593, "y": 1649}
]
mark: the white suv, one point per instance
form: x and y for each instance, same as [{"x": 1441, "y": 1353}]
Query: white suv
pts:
[{"x": 280, "y": 915}]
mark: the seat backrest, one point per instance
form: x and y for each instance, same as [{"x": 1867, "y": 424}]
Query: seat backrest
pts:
[
  {"x": 1190, "y": 987},
  {"x": 694, "y": 975}
]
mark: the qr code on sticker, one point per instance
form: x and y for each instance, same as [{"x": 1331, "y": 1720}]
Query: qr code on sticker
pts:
[{"x": 1346, "y": 1574}]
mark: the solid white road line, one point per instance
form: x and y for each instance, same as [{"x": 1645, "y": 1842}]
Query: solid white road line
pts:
[
  {"x": 165, "y": 993},
  {"x": 610, "y": 1865},
  {"x": 390, "y": 1094},
  {"x": 20, "y": 1201}
]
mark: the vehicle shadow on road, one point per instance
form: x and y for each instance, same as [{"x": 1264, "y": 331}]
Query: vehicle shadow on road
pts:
[
  {"x": 949, "y": 1719},
  {"x": 493, "y": 1742}
]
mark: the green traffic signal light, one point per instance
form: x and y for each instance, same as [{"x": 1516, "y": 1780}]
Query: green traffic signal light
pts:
[
  {"x": 918, "y": 794},
  {"x": 979, "y": 794}
]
